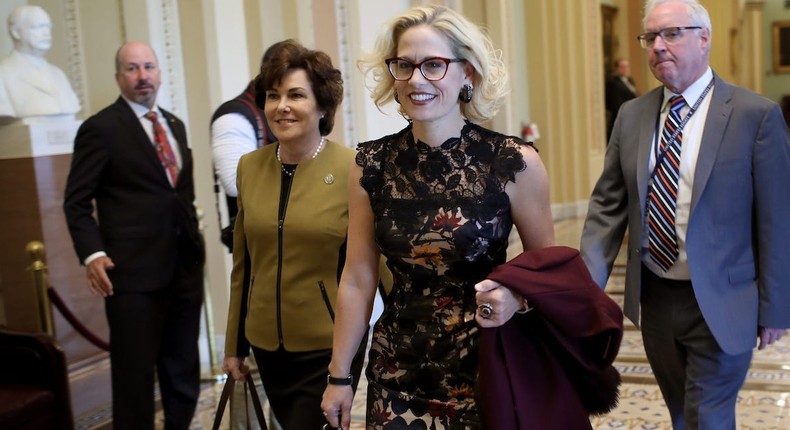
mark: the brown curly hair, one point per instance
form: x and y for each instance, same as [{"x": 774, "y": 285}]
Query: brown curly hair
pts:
[{"x": 325, "y": 79}]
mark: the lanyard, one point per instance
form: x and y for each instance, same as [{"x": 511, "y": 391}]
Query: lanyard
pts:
[{"x": 661, "y": 153}]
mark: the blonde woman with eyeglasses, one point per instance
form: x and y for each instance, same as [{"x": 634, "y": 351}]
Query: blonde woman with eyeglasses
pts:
[{"x": 438, "y": 199}]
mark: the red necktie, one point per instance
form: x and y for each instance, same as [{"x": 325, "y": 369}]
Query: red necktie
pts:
[
  {"x": 663, "y": 191},
  {"x": 163, "y": 149}
]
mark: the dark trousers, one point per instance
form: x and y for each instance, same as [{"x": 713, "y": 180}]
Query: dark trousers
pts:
[
  {"x": 154, "y": 332},
  {"x": 294, "y": 383},
  {"x": 698, "y": 380}
]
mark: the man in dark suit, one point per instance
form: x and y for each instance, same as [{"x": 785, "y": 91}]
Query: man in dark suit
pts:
[
  {"x": 619, "y": 89},
  {"x": 708, "y": 263},
  {"x": 143, "y": 251}
]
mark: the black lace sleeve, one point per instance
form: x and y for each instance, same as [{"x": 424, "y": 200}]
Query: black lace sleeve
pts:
[
  {"x": 509, "y": 160},
  {"x": 372, "y": 157},
  {"x": 506, "y": 158},
  {"x": 369, "y": 155}
]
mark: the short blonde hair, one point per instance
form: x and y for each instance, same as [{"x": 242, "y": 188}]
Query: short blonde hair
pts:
[{"x": 469, "y": 42}]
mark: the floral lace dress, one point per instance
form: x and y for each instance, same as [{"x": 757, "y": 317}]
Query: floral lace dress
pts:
[{"x": 442, "y": 219}]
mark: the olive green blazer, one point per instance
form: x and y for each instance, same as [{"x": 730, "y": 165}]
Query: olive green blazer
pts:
[{"x": 285, "y": 304}]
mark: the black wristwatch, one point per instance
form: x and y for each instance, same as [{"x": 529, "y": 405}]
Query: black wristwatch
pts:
[{"x": 348, "y": 380}]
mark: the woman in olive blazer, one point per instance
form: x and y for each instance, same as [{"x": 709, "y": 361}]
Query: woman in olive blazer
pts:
[{"x": 290, "y": 236}]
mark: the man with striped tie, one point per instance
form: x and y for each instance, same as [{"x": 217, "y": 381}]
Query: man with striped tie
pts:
[{"x": 698, "y": 171}]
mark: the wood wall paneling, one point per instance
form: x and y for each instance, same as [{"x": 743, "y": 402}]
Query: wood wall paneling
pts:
[
  {"x": 20, "y": 212},
  {"x": 31, "y": 209}
]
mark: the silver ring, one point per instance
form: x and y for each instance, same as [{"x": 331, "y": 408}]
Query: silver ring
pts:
[{"x": 486, "y": 311}]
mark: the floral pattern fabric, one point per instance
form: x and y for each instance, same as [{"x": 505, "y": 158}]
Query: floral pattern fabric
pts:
[{"x": 442, "y": 219}]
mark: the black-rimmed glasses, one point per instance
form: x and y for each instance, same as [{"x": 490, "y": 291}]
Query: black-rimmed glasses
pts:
[
  {"x": 671, "y": 36},
  {"x": 433, "y": 69}
]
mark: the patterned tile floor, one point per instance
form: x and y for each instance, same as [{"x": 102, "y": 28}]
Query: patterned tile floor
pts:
[
  {"x": 765, "y": 407},
  {"x": 763, "y": 403}
]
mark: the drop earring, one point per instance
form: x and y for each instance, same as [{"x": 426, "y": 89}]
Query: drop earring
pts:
[{"x": 466, "y": 93}]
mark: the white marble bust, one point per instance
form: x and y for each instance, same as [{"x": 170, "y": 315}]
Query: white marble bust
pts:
[{"x": 29, "y": 85}]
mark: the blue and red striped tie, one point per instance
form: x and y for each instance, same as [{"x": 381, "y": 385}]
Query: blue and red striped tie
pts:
[{"x": 663, "y": 192}]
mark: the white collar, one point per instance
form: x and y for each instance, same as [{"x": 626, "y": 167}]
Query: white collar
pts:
[
  {"x": 140, "y": 110},
  {"x": 692, "y": 93}
]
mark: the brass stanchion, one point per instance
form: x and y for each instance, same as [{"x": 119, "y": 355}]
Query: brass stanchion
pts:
[
  {"x": 38, "y": 270},
  {"x": 214, "y": 372}
]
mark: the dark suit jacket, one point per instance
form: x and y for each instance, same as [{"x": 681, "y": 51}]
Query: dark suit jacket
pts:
[
  {"x": 536, "y": 368},
  {"x": 617, "y": 93},
  {"x": 738, "y": 236},
  {"x": 148, "y": 228}
]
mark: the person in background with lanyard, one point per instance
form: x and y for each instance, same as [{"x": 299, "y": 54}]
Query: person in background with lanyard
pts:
[{"x": 697, "y": 170}]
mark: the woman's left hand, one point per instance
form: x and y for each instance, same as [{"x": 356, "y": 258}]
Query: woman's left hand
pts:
[{"x": 496, "y": 303}]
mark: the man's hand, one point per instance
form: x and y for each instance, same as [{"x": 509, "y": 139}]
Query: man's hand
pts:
[
  {"x": 769, "y": 336},
  {"x": 98, "y": 281}
]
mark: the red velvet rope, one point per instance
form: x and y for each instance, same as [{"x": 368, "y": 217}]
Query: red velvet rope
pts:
[{"x": 54, "y": 297}]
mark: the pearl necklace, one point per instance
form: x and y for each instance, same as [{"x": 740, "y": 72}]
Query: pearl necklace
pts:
[{"x": 290, "y": 172}]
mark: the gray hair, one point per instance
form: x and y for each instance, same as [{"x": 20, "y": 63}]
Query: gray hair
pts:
[{"x": 696, "y": 12}]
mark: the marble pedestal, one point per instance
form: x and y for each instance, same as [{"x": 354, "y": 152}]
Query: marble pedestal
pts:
[{"x": 35, "y": 159}]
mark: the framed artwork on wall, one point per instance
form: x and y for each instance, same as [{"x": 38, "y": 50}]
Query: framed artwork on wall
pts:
[{"x": 781, "y": 47}]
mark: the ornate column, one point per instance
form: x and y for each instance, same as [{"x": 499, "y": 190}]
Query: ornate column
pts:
[
  {"x": 215, "y": 53},
  {"x": 725, "y": 28},
  {"x": 564, "y": 66},
  {"x": 751, "y": 54}
]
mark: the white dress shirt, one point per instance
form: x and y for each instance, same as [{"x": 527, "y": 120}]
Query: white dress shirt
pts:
[
  {"x": 692, "y": 137},
  {"x": 232, "y": 136}
]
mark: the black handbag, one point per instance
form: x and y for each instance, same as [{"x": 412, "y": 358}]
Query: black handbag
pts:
[{"x": 227, "y": 390}]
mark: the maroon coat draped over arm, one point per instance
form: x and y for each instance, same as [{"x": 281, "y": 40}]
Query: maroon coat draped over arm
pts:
[{"x": 530, "y": 367}]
